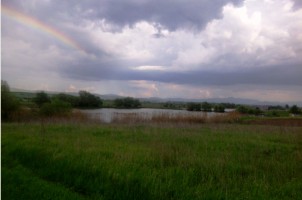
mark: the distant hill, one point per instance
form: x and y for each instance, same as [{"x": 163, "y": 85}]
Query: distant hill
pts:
[
  {"x": 109, "y": 96},
  {"x": 221, "y": 100},
  {"x": 31, "y": 93},
  {"x": 211, "y": 100}
]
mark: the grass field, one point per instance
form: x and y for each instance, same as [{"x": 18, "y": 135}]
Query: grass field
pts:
[{"x": 158, "y": 161}]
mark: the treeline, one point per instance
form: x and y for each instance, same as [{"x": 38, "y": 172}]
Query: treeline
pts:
[
  {"x": 271, "y": 111},
  {"x": 84, "y": 100},
  {"x": 127, "y": 102},
  {"x": 63, "y": 103},
  {"x": 208, "y": 107},
  {"x": 43, "y": 104}
]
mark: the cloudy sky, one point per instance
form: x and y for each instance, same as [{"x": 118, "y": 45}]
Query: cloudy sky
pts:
[{"x": 154, "y": 48}]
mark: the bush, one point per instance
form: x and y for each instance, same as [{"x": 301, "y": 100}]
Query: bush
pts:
[
  {"x": 295, "y": 110},
  {"x": 41, "y": 98},
  {"x": 242, "y": 109},
  {"x": 88, "y": 100},
  {"x": 206, "y": 107},
  {"x": 193, "y": 107},
  {"x": 219, "y": 108},
  {"x": 127, "y": 102},
  {"x": 73, "y": 100},
  {"x": 170, "y": 105},
  {"x": 55, "y": 107},
  {"x": 249, "y": 110}
]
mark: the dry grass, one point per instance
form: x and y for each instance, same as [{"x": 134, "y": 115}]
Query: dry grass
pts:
[
  {"x": 76, "y": 116},
  {"x": 230, "y": 117},
  {"x": 179, "y": 118},
  {"x": 191, "y": 118},
  {"x": 23, "y": 115},
  {"x": 30, "y": 115},
  {"x": 129, "y": 118}
]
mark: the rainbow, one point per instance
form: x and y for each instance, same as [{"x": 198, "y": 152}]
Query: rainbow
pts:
[{"x": 38, "y": 25}]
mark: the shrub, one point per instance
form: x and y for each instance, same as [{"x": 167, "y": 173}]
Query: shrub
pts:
[
  {"x": 249, "y": 110},
  {"x": 219, "y": 108},
  {"x": 127, "y": 102},
  {"x": 73, "y": 100},
  {"x": 55, "y": 107},
  {"x": 193, "y": 107},
  {"x": 206, "y": 107},
  {"x": 295, "y": 110},
  {"x": 88, "y": 100},
  {"x": 41, "y": 98}
]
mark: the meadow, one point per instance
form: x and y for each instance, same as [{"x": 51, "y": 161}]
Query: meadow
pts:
[{"x": 151, "y": 161}]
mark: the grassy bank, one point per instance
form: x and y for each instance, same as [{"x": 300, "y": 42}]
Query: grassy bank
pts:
[{"x": 209, "y": 161}]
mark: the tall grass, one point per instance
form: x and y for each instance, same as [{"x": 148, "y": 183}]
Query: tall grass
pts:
[
  {"x": 190, "y": 118},
  {"x": 25, "y": 115},
  {"x": 162, "y": 161}
]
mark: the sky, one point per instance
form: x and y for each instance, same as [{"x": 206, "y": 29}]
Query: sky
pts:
[{"x": 152, "y": 48}]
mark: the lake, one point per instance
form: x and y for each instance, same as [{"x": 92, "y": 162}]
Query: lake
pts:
[{"x": 107, "y": 115}]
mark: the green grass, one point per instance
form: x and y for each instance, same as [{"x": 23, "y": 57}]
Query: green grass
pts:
[{"x": 151, "y": 162}]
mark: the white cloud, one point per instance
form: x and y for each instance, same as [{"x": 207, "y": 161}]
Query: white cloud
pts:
[
  {"x": 247, "y": 36},
  {"x": 128, "y": 43},
  {"x": 150, "y": 68},
  {"x": 71, "y": 88},
  {"x": 258, "y": 33}
]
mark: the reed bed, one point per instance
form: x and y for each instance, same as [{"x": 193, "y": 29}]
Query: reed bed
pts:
[
  {"x": 77, "y": 116},
  {"x": 32, "y": 116},
  {"x": 186, "y": 118}
]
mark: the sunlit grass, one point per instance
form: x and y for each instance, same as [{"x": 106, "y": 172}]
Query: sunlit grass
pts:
[{"x": 158, "y": 161}]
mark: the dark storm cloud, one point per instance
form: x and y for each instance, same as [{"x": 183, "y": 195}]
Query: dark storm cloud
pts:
[
  {"x": 297, "y": 4},
  {"x": 104, "y": 69},
  {"x": 172, "y": 14},
  {"x": 118, "y": 70},
  {"x": 274, "y": 75}
]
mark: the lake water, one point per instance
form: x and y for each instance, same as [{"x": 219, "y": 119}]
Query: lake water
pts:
[{"x": 108, "y": 114}]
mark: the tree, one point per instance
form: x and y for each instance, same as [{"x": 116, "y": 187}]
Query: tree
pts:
[
  {"x": 127, "y": 102},
  {"x": 73, "y": 100},
  {"x": 249, "y": 110},
  {"x": 295, "y": 110},
  {"x": 169, "y": 105},
  {"x": 278, "y": 107},
  {"x": 257, "y": 111},
  {"x": 88, "y": 100},
  {"x": 9, "y": 103},
  {"x": 41, "y": 98},
  {"x": 55, "y": 107},
  {"x": 219, "y": 108},
  {"x": 242, "y": 109},
  {"x": 193, "y": 107},
  {"x": 206, "y": 107}
]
